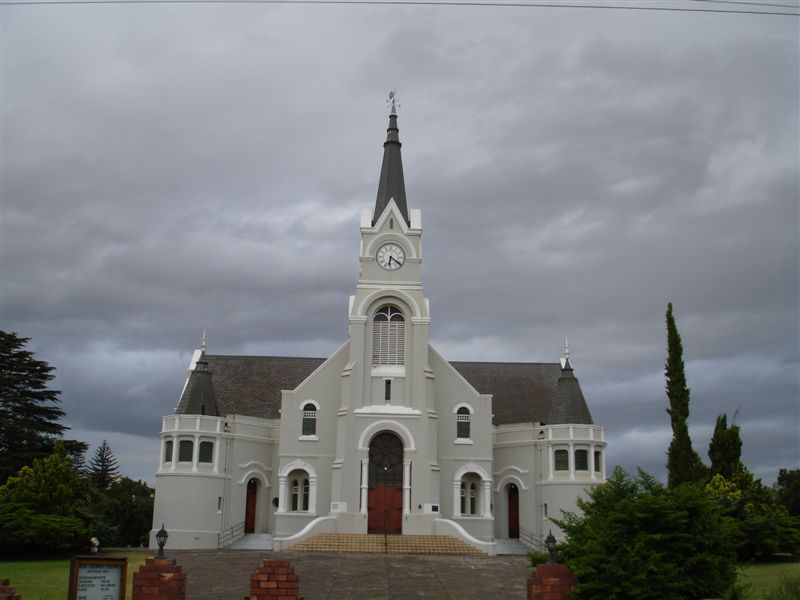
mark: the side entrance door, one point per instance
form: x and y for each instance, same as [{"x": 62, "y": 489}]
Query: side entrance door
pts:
[
  {"x": 513, "y": 511},
  {"x": 250, "y": 506},
  {"x": 385, "y": 493}
]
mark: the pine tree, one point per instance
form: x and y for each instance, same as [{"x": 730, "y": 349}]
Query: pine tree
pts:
[
  {"x": 103, "y": 469},
  {"x": 725, "y": 449},
  {"x": 29, "y": 415},
  {"x": 683, "y": 463}
]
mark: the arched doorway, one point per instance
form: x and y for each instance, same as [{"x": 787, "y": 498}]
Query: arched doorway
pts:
[
  {"x": 385, "y": 494},
  {"x": 251, "y": 503},
  {"x": 513, "y": 510}
]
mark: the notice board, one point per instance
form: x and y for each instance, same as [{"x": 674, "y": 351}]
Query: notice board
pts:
[{"x": 96, "y": 578}]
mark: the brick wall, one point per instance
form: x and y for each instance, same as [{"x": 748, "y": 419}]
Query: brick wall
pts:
[
  {"x": 7, "y": 592},
  {"x": 274, "y": 579},
  {"x": 551, "y": 582},
  {"x": 159, "y": 579}
]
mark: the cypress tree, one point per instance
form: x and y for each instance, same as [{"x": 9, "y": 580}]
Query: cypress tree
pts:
[
  {"x": 683, "y": 463},
  {"x": 103, "y": 469},
  {"x": 725, "y": 448}
]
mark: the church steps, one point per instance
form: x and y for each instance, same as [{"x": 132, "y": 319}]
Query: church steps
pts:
[{"x": 389, "y": 544}]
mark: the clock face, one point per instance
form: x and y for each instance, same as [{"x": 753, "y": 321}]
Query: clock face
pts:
[{"x": 391, "y": 256}]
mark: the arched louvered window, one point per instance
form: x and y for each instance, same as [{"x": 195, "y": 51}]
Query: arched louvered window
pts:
[
  {"x": 309, "y": 419},
  {"x": 299, "y": 491},
  {"x": 462, "y": 423},
  {"x": 388, "y": 336}
]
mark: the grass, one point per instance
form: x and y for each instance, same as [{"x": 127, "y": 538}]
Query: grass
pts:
[
  {"x": 49, "y": 579},
  {"x": 764, "y": 578}
]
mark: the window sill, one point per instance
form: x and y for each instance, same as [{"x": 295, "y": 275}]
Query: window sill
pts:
[
  {"x": 463, "y": 441},
  {"x": 308, "y": 438}
]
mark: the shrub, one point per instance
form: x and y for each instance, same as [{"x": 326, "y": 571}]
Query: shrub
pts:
[
  {"x": 637, "y": 539},
  {"x": 24, "y": 532}
]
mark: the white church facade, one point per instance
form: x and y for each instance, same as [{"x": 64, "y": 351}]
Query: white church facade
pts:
[{"x": 385, "y": 435}]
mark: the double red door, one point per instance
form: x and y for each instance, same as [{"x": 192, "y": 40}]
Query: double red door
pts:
[{"x": 385, "y": 507}]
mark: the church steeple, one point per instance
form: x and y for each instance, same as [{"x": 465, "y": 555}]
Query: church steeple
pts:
[{"x": 391, "y": 184}]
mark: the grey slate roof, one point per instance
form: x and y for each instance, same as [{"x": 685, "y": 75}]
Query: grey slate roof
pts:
[
  {"x": 521, "y": 392},
  {"x": 391, "y": 183}
]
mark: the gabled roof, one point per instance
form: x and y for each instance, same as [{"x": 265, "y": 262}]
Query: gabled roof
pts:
[
  {"x": 521, "y": 392},
  {"x": 391, "y": 183}
]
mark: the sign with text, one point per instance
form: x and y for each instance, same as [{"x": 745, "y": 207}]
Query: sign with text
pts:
[{"x": 95, "y": 578}]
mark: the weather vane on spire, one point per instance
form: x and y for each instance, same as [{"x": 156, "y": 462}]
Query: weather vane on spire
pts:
[{"x": 392, "y": 101}]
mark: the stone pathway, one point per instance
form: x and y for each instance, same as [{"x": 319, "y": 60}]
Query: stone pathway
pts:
[{"x": 225, "y": 575}]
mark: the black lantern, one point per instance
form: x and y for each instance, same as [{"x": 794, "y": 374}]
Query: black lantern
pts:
[
  {"x": 161, "y": 540},
  {"x": 550, "y": 545}
]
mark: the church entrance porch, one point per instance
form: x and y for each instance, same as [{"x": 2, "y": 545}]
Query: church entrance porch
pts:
[{"x": 385, "y": 491}]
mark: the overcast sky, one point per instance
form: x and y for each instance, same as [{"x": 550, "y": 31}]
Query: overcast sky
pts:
[{"x": 173, "y": 168}]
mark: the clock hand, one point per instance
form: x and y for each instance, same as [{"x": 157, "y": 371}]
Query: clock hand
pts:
[{"x": 392, "y": 258}]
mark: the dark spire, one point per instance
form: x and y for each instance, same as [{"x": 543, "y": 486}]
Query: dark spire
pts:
[
  {"x": 199, "y": 397},
  {"x": 569, "y": 405},
  {"x": 391, "y": 184}
]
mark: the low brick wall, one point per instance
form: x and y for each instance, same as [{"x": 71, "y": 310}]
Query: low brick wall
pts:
[
  {"x": 551, "y": 582},
  {"x": 159, "y": 579},
  {"x": 274, "y": 579},
  {"x": 7, "y": 592}
]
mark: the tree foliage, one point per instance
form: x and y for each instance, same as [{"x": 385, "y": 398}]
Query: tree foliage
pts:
[
  {"x": 725, "y": 448},
  {"x": 29, "y": 412},
  {"x": 43, "y": 508},
  {"x": 683, "y": 463},
  {"x": 787, "y": 489},
  {"x": 637, "y": 539},
  {"x": 764, "y": 528},
  {"x": 123, "y": 513},
  {"x": 103, "y": 468}
]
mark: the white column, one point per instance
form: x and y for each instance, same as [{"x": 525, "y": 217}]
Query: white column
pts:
[
  {"x": 364, "y": 483},
  {"x": 406, "y": 486},
  {"x": 456, "y": 498},
  {"x": 603, "y": 465},
  {"x": 195, "y": 453},
  {"x": 173, "y": 460},
  {"x": 486, "y": 487},
  {"x": 281, "y": 494},
  {"x": 591, "y": 461},
  {"x": 551, "y": 459},
  {"x": 571, "y": 457},
  {"x": 312, "y": 494}
]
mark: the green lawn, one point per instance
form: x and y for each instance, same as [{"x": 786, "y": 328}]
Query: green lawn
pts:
[
  {"x": 49, "y": 579},
  {"x": 764, "y": 577}
]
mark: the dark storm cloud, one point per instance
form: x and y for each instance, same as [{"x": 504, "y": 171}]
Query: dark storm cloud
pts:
[{"x": 172, "y": 169}]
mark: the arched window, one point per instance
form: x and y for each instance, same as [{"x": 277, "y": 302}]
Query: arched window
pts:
[
  {"x": 598, "y": 457},
  {"x": 462, "y": 423},
  {"x": 581, "y": 460},
  {"x": 299, "y": 490},
  {"x": 309, "y": 419},
  {"x": 562, "y": 460},
  {"x": 185, "y": 450},
  {"x": 388, "y": 336},
  {"x": 168, "y": 451},
  {"x": 470, "y": 496},
  {"x": 206, "y": 452}
]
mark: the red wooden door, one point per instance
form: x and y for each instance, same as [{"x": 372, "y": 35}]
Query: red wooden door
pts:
[
  {"x": 385, "y": 509},
  {"x": 513, "y": 511},
  {"x": 385, "y": 493},
  {"x": 250, "y": 506}
]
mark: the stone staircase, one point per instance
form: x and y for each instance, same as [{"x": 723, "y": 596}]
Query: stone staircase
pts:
[
  {"x": 252, "y": 541},
  {"x": 389, "y": 544}
]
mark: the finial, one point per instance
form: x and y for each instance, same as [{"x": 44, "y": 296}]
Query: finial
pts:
[
  {"x": 392, "y": 101},
  {"x": 203, "y": 344},
  {"x": 566, "y": 346}
]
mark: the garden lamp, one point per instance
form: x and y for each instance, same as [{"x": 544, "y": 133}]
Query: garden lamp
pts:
[
  {"x": 550, "y": 545},
  {"x": 161, "y": 540}
]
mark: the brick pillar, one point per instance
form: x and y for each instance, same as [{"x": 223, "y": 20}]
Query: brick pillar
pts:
[
  {"x": 159, "y": 579},
  {"x": 7, "y": 592},
  {"x": 551, "y": 582},
  {"x": 274, "y": 578}
]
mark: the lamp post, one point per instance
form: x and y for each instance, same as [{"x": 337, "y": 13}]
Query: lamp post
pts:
[
  {"x": 161, "y": 540},
  {"x": 550, "y": 545}
]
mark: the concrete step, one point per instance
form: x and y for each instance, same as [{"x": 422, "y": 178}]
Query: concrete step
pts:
[
  {"x": 390, "y": 544},
  {"x": 511, "y": 547},
  {"x": 253, "y": 541}
]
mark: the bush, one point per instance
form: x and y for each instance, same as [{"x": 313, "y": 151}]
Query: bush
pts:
[
  {"x": 637, "y": 539},
  {"x": 24, "y": 533}
]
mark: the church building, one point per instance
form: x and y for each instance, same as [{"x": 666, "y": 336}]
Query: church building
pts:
[{"x": 383, "y": 436}]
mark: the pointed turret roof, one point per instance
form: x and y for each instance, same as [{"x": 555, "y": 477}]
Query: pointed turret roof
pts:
[
  {"x": 569, "y": 405},
  {"x": 199, "y": 397},
  {"x": 391, "y": 184}
]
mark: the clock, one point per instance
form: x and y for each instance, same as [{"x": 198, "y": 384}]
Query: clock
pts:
[{"x": 391, "y": 256}]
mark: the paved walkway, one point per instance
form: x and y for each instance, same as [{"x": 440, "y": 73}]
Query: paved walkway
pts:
[{"x": 225, "y": 575}]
